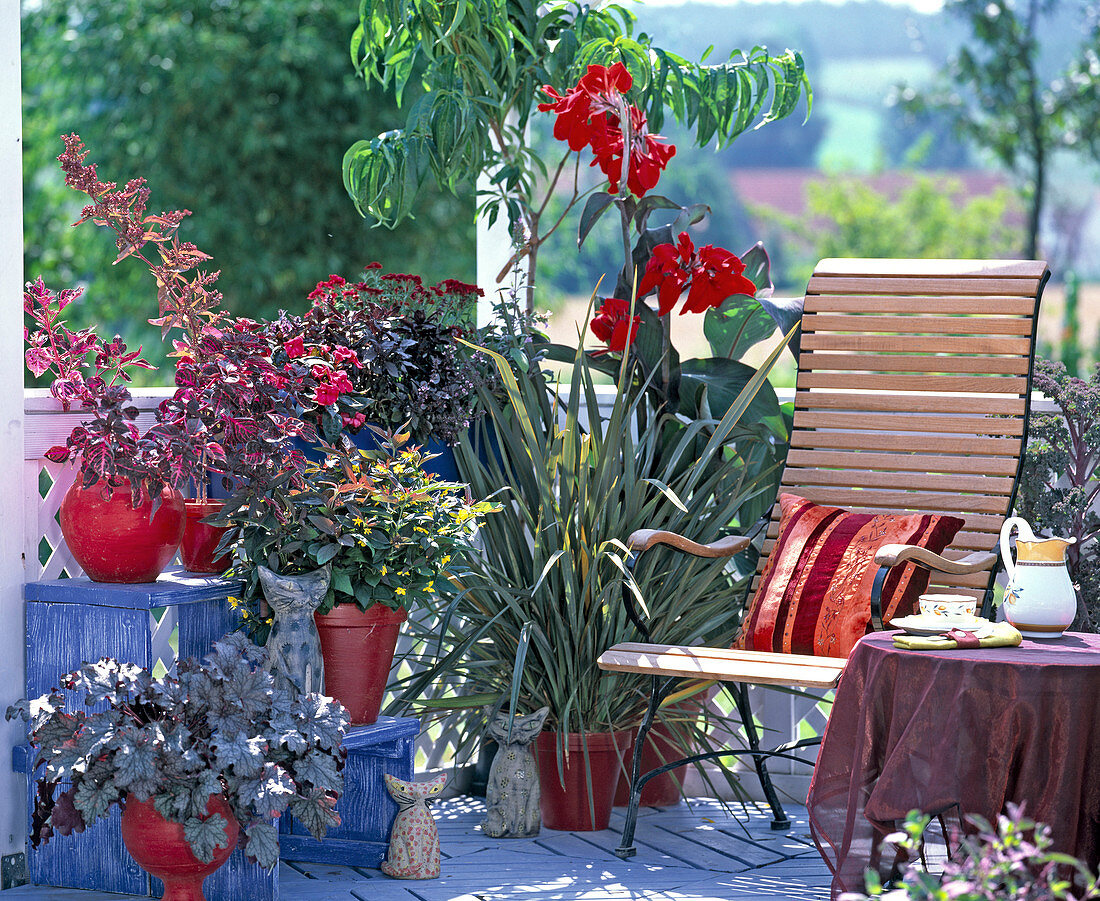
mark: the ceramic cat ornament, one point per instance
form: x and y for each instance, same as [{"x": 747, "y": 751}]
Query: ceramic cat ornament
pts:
[
  {"x": 414, "y": 838},
  {"x": 293, "y": 646},
  {"x": 512, "y": 795}
]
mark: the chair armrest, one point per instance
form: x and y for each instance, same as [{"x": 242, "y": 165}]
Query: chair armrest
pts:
[
  {"x": 644, "y": 539},
  {"x": 893, "y": 554}
]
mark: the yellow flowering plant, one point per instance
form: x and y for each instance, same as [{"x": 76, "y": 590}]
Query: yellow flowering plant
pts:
[{"x": 389, "y": 529}]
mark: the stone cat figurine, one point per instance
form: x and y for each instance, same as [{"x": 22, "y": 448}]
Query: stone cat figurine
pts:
[
  {"x": 512, "y": 794},
  {"x": 293, "y": 646},
  {"x": 414, "y": 839}
]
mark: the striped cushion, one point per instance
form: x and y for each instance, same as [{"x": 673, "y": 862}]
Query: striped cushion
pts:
[{"x": 814, "y": 595}]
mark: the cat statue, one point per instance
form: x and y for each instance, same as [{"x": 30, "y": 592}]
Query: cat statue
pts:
[
  {"x": 414, "y": 838},
  {"x": 512, "y": 794},
  {"x": 293, "y": 645}
]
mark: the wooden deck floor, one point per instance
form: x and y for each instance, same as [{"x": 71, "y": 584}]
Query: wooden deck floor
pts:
[{"x": 687, "y": 853}]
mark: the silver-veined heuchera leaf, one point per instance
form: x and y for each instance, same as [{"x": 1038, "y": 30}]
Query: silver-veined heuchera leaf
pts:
[
  {"x": 204, "y": 836},
  {"x": 93, "y": 800},
  {"x": 244, "y": 754},
  {"x": 262, "y": 844}
]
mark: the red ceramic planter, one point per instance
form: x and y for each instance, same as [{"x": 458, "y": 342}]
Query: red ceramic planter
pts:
[
  {"x": 115, "y": 542},
  {"x": 200, "y": 540},
  {"x": 159, "y": 847},
  {"x": 660, "y": 791},
  {"x": 564, "y": 800},
  {"x": 358, "y": 647}
]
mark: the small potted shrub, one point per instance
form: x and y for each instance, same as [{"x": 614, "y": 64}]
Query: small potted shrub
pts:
[
  {"x": 196, "y": 761},
  {"x": 387, "y": 529}
]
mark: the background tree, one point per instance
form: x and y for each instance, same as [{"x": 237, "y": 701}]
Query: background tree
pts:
[
  {"x": 239, "y": 112},
  {"x": 1002, "y": 99},
  {"x": 483, "y": 64}
]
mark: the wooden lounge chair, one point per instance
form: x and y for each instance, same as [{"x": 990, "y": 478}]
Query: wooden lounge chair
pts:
[{"x": 912, "y": 395}]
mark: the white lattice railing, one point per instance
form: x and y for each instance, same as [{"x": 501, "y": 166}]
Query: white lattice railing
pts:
[{"x": 783, "y": 716}]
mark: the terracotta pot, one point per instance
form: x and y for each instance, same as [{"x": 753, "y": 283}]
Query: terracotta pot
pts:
[
  {"x": 357, "y": 647},
  {"x": 115, "y": 542},
  {"x": 200, "y": 540},
  {"x": 159, "y": 848},
  {"x": 660, "y": 791},
  {"x": 564, "y": 800}
]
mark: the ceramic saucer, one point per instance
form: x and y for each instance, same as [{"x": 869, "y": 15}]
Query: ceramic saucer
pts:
[{"x": 919, "y": 624}]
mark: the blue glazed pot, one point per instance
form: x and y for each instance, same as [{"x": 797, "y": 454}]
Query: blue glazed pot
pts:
[{"x": 442, "y": 466}]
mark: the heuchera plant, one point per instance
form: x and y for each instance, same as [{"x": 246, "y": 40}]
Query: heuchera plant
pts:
[
  {"x": 1011, "y": 860},
  {"x": 393, "y": 341},
  {"x": 218, "y": 727},
  {"x": 1061, "y": 477},
  {"x": 388, "y": 527}
]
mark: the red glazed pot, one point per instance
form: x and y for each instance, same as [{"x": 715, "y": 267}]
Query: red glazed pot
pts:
[
  {"x": 200, "y": 540},
  {"x": 660, "y": 791},
  {"x": 115, "y": 542},
  {"x": 159, "y": 848},
  {"x": 357, "y": 647},
  {"x": 565, "y": 804}
]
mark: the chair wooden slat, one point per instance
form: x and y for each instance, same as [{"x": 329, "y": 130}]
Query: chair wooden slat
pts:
[
  {"x": 875, "y": 499},
  {"x": 733, "y": 666},
  {"x": 917, "y": 403},
  {"x": 888, "y": 441},
  {"x": 895, "y": 463},
  {"x": 915, "y": 285},
  {"x": 912, "y": 363},
  {"x": 888, "y": 268},
  {"x": 910, "y": 344},
  {"x": 857, "y": 478},
  {"x": 989, "y": 305},
  {"x": 876, "y": 381},
  {"x": 900, "y": 422},
  {"x": 916, "y": 324}
]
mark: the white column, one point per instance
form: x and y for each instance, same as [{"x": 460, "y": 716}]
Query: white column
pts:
[
  {"x": 12, "y": 795},
  {"x": 494, "y": 247}
]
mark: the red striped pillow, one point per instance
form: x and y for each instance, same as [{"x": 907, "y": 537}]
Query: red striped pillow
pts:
[{"x": 814, "y": 595}]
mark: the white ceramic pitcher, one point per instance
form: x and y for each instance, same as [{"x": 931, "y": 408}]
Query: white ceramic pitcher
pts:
[{"x": 1039, "y": 600}]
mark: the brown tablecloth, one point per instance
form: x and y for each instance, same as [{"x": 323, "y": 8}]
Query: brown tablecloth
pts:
[{"x": 928, "y": 729}]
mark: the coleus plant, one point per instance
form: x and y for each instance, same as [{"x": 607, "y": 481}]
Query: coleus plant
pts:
[{"x": 218, "y": 727}]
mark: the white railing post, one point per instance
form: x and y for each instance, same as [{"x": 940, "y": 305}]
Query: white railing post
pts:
[{"x": 13, "y": 821}]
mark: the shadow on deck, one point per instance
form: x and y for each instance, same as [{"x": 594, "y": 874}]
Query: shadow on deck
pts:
[{"x": 695, "y": 852}]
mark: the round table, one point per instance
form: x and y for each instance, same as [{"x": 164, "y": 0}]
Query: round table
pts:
[{"x": 978, "y": 728}]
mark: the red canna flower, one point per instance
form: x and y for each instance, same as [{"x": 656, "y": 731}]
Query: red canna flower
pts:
[
  {"x": 613, "y": 325},
  {"x": 713, "y": 272}
]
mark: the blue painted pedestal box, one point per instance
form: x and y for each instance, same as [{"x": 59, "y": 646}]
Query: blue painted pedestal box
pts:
[
  {"x": 366, "y": 809},
  {"x": 70, "y": 621}
]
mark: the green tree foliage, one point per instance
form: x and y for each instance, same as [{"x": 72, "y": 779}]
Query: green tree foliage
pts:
[
  {"x": 483, "y": 64},
  {"x": 1000, "y": 99},
  {"x": 926, "y": 220},
  {"x": 240, "y": 112}
]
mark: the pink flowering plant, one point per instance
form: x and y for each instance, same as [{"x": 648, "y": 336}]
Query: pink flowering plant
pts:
[
  {"x": 663, "y": 271},
  {"x": 386, "y": 353}
]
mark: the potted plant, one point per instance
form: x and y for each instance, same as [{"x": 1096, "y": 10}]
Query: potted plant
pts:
[
  {"x": 388, "y": 531},
  {"x": 394, "y": 340},
  {"x": 233, "y": 409},
  {"x": 195, "y": 760},
  {"x": 122, "y": 518}
]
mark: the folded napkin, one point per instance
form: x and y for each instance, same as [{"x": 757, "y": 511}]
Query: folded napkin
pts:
[{"x": 998, "y": 635}]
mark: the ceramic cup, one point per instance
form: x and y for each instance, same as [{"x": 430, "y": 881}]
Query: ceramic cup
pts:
[{"x": 948, "y": 606}]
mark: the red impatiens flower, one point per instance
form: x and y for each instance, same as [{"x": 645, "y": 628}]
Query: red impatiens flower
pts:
[
  {"x": 612, "y": 324},
  {"x": 295, "y": 347},
  {"x": 713, "y": 272},
  {"x": 590, "y": 115}
]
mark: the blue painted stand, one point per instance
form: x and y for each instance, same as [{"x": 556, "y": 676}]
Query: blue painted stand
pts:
[
  {"x": 70, "y": 621},
  {"x": 366, "y": 809}
]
